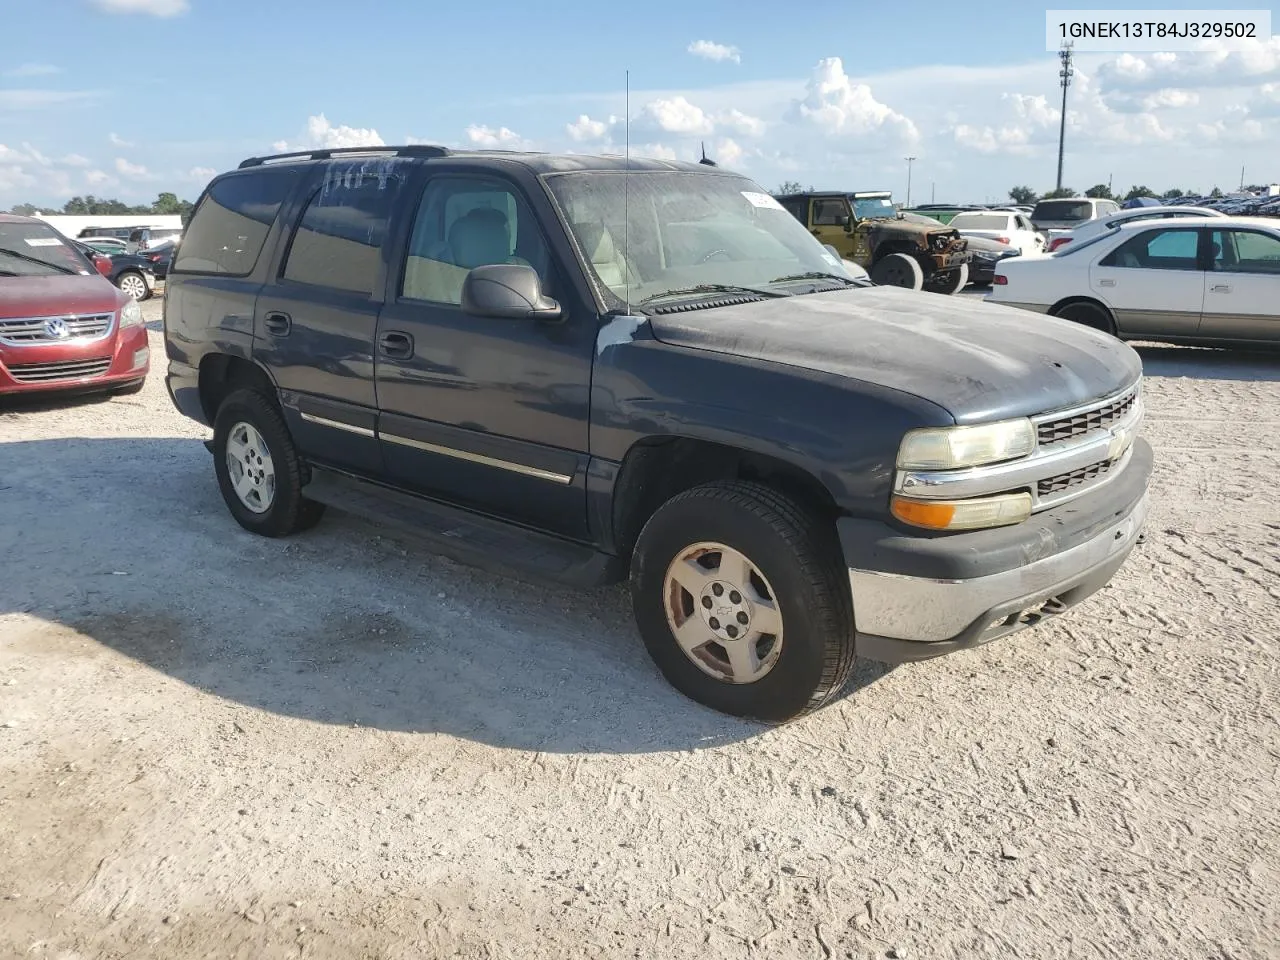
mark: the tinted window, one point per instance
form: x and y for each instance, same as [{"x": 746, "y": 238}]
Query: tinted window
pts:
[
  {"x": 1157, "y": 250},
  {"x": 232, "y": 222},
  {"x": 980, "y": 221},
  {"x": 795, "y": 207},
  {"x": 338, "y": 242},
  {"x": 36, "y": 250},
  {"x": 1070, "y": 210},
  {"x": 1245, "y": 251},
  {"x": 462, "y": 224},
  {"x": 831, "y": 212}
]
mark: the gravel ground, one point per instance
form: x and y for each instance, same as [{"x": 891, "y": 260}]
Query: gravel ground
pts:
[{"x": 338, "y": 746}]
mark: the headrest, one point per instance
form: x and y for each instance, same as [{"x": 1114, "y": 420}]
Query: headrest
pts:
[
  {"x": 597, "y": 242},
  {"x": 480, "y": 237}
]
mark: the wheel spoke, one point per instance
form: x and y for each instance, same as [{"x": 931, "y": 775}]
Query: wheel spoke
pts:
[
  {"x": 736, "y": 569},
  {"x": 691, "y": 635},
  {"x": 765, "y": 618},
  {"x": 691, "y": 576},
  {"x": 236, "y": 447},
  {"x": 743, "y": 662}
]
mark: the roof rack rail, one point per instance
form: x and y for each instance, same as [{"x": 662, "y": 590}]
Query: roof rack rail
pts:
[{"x": 412, "y": 150}]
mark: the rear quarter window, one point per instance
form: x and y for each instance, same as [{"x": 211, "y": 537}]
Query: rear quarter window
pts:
[
  {"x": 1068, "y": 210},
  {"x": 229, "y": 228}
]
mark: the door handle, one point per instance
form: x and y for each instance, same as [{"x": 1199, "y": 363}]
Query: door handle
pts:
[
  {"x": 1220, "y": 288},
  {"x": 1106, "y": 283},
  {"x": 278, "y": 324},
  {"x": 396, "y": 345}
]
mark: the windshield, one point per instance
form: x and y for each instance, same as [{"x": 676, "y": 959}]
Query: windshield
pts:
[
  {"x": 869, "y": 208},
  {"x": 1066, "y": 210},
  {"x": 649, "y": 234},
  {"x": 980, "y": 221},
  {"x": 36, "y": 250}
]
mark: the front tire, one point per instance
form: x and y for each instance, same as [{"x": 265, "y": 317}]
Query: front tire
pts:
[
  {"x": 897, "y": 270},
  {"x": 952, "y": 281},
  {"x": 742, "y": 601},
  {"x": 259, "y": 471}
]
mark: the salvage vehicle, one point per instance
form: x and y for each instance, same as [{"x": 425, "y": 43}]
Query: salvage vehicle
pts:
[
  {"x": 63, "y": 327},
  {"x": 868, "y": 229},
  {"x": 588, "y": 369}
]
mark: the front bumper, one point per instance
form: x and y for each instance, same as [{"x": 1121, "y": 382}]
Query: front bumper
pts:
[
  {"x": 920, "y": 597},
  {"x": 118, "y": 360}
]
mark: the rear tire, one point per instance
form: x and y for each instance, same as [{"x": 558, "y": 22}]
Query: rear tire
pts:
[
  {"x": 1088, "y": 314},
  {"x": 771, "y": 571},
  {"x": 263, "y": 488},
  {"x": 950, "y": 281},
  {"x": 897, "y": 270}
]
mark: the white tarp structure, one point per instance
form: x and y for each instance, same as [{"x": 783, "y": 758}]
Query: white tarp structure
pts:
[{"x": 70, "y": 226}]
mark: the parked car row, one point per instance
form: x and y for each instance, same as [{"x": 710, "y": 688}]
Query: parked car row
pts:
[{"x": 135, "y": 239}]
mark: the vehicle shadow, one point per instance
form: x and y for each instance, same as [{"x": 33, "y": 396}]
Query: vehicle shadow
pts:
[
  {"x": 1208, "y": 363},
  {"x": 346, "y": 624}
]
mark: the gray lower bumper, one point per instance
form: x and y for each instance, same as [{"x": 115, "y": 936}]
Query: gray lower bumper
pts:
[{"x": 903, "y": 618}]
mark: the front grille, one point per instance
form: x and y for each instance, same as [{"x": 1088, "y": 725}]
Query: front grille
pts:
[
  {"x": 1078, "y": 424},
  {"x": 64, "y": 329},
  {"x": 59, "y": 370},
  {"x": 1065, "y": 481}
]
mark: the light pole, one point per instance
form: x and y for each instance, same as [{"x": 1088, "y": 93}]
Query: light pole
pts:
[
  {"x": 909, "y": 160},
  {"x": 1064, "y": 76}
]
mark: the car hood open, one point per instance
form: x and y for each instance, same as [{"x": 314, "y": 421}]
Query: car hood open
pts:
[{"x": 979, "y": 361}]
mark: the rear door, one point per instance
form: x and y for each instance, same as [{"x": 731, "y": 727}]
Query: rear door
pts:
[
  {"x": 1242, "y": 287},
  {"x": 488, "y": 413},
  {"x": 1153, "y": 282},
  {"x": 316, "y": 318}
]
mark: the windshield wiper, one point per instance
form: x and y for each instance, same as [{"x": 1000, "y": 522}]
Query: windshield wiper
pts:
[
  {"x": 44, "y": 263},
  {"x": 712, "y": 288},
  {"x": 818, "y": 275}
]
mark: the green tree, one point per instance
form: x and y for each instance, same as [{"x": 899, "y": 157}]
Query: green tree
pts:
[
  {"x": 1061, "y": 192},
  {"x": 1022, "y": 195},
  {"x": 167, "y": 204},
  {"x": 1215, "y": 194},
  {"x": 25, "y": 210},
  {"x": 793, "y": 186},
  {"x": 1137, "y": 191},
  {"x": 1099, "y": 191},
  {"x": 1173, "y": 194}
]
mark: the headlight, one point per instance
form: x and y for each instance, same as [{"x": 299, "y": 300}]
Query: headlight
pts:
[
  {"x": 951, "y": 448},
  {"x": 130, "y": 315},
  {"x": 975, "y": 514}
]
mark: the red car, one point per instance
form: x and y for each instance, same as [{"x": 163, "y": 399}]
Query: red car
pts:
[{"x": 63, "y": 326}]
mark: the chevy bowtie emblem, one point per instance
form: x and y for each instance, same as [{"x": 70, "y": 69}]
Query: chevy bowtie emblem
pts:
[
  {"x": 1121, "y": 438},
  {"x": 56, "y": 329}
]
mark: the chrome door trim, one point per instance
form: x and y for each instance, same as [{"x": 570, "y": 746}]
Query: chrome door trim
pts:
[
  {"x": 337, "y": 425},
  {"x": 479, "y": 458}
]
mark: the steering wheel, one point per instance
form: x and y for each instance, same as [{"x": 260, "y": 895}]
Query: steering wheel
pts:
[{"x": 718, "y": 252}]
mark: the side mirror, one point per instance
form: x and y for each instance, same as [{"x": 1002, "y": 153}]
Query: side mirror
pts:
[
  {"x": 507, "y": 291},
  {"x": 848, "y": 224}
]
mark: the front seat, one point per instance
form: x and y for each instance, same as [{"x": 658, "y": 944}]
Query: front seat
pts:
[
  {"x": 480, "y": 237},
  {"x": 609, "y": 264}
]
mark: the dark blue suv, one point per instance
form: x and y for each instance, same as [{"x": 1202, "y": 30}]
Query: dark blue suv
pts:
[{"x": 588, "y": 368}]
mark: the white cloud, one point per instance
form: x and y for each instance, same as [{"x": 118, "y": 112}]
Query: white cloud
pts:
[
  {"x": 97, "y": 178},
  {"x": 495, "y": 138},
  {"x": 728, "y": 153},
  {"x": 323, "y": 135},
  {"x": 43, "y": 99},
  {"x": 118, "y": 141},
  {"x": 75, "y": 160},
  {"x": 675, "y": 115},
  {"x": 1007, "y": 139},
  {"x": 33, "y": 70},
  {"x": 1035, "y": 110},
  {"x": 201, "y": 175},
  {"x": 1170, "y": 97},
  {"x": 1209, "y": 67},
  {"x": 716, "y": 52},
  {"x": 585, "y": 129},
  {"x": 741, "y": 123},
  {"x": 657, "y": 151},
  {"x": 154, "y": 8},
  {"x": 131, "y": 171},
  {"x": 1267, "y": 100},
  {"x": 837, "y": 105}
]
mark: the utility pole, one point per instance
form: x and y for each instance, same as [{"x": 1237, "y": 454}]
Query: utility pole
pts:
[
  {"x": 1064, "y": 77},
  {"x": 1242, "y": 179},
  {"x": 909, "y": 160},
  {"x": 933, "y": 196}
]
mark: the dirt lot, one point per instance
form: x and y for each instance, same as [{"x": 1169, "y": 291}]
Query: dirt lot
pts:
[{"x": 338, "y": 746}]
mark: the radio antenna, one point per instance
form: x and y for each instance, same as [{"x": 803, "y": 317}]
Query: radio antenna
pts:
[{"x": 626, "y": 199}]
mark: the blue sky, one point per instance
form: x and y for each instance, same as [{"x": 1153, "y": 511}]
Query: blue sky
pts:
[{"x": 835, "y": 95}]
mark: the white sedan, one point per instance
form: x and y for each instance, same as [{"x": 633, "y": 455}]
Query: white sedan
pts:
[
  {"x": 1203, "y": 280},
  {"x": 1002, "y": 226},
  {"x": 1091, "y": 228}
]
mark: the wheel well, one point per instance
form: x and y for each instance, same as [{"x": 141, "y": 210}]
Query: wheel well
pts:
[
  {"x": 1069, "y": 301},
  {"x": 221, "y": 373},
  {"x": 656, "y": 470}
]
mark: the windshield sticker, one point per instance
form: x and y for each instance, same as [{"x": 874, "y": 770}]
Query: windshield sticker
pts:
[
  {"x": 43, "y": 242},
  {"x": 762, "y": 200}
]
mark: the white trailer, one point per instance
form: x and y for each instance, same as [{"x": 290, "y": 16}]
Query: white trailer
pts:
[{"x": 73, "y": 226}]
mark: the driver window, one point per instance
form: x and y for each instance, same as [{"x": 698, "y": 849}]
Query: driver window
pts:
[
  {"x": 830, "y": 212},
  {"x": 462, "y": 224}
]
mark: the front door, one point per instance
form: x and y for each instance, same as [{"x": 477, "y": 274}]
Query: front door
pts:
[
  {"x": 1242, "y": 287},
  {"x": 316, "y": 319},
  {"x": 484, "y": 412},
  {"x": 1153, "y": 283},
  {"x": 829, "y": 222}
]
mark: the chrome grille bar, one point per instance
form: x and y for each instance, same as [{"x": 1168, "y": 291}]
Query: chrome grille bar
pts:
[
  {"x": 59, "y": 370},
  {"x": 79, "y": 328}
]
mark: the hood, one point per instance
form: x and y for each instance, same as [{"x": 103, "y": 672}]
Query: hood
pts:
[
  {"x": 62, "y": 294},
  {"x": 979, "y": 361}
]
